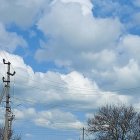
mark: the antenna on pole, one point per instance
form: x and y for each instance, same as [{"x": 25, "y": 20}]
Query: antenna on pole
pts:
[{"x": 8, "y": 113}]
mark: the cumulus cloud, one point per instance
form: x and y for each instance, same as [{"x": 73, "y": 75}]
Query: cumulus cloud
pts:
[
  {"x": 73, "y": 33},
  {"x": 62, "y": 92},
  {"x": 129, "y": 48},
  {"x": 86, "y": 5},
  {"x": 58, "y": 119},
  {"x": 78, "y": 41},
  {"x": 130, "y": 71},
  {"x": 22, "y": 13},
  {"x": 95, "y": 46},
  {"x": 10, "y": 40},
  {"x": 56, "y": 89},
  {"x": 55, "y": 119},
  {"x": 79, "y": 30},
  {"x": 121, "y": 77}
]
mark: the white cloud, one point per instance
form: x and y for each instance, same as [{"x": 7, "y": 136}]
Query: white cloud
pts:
[
  {"x": 66, "y": 22},
  {"x": 10, "y": 40},
  {"x": 101, "y": 60},
  {"x": 23, "y": 13},
  {"x": 77, "y": 40},
  {"x": 72, "y": 91},
  {"x": 86, "y": 5},
  {"x": 94, "y": 46},
  {"x": 129, "y": 46},
  {"x": 73, "y": 34},
  {"x": 28, "y": 113},
  {"x": 128, "y": 76},
  {"x": 121, "y": 77},
  {"x": 55, "y": 119},
  {"x": 56, "y": 89}
]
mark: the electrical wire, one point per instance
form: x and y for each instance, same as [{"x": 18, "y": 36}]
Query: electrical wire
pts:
[
  {"x": 71, "y": 89},
  {"x": 60, "y": 85}
]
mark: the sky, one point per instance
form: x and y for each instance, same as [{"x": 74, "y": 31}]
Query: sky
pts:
[{"x": 71, "y": 57}]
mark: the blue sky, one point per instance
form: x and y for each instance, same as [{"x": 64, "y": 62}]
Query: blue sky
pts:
[{"x": 70, "y": 57}]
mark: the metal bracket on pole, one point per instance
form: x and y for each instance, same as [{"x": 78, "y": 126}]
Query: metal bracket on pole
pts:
[
  {"x": 11, "y": 74},
  {"x": 4, "y": 62},
  {"x": 5, "y": 81}
]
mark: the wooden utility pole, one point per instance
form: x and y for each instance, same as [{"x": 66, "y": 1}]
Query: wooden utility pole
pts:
[{"x": 8, "y": 113}]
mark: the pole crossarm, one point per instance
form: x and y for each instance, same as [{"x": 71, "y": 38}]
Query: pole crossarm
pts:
[
  {"x": 11, "y": 74},
  {"x": 5, "y": 81}
]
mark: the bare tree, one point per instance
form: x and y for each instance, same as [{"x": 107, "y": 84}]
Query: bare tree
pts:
[
  {"x": 12, "y": 137},
  {"x": 1, "y": 133},
  {"x": 115, "y": 123}
]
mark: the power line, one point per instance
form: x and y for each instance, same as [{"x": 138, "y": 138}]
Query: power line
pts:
[
  {"x": 79, "y": 89},
  {"x": 72, "y": 87},
  {"x": 59, "y": 85},
  {"x": 65, "y": 83}
]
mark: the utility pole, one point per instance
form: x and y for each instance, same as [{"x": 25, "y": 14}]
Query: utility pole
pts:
[
  {"x": 83, "y": 133},
  {"x": 8, "y": 113}
]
